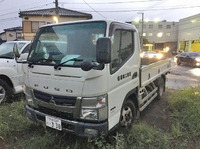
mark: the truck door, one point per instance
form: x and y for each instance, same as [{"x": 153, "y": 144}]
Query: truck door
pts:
[
  {"x": 124, "y": 68},
  {"x": 22, "y": 65}
]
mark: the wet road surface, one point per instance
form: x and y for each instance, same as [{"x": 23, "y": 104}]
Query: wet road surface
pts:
[{"x": 182, "y": 77}]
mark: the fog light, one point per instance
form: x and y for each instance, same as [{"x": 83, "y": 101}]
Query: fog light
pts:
[{"x": 91, "y": 132}]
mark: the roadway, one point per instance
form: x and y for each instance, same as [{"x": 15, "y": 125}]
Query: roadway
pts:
[{"x": 182, "y": 77}]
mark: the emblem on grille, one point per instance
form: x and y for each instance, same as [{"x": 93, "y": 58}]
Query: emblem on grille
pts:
[{"x": 69, "y": 91}]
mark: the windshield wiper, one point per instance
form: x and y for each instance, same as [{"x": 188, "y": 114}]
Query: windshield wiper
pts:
[{"x": 73, "y": 59}]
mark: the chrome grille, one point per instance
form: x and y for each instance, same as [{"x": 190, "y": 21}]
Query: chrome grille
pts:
[{"x": 58, "y": 100}]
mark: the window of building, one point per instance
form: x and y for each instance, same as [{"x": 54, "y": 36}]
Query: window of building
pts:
[
  {"x": 19, "y": 35},
  {"x": 150, "y": 26},
  {"x": 160, "y": 26},
  {"x": 150, "y": 34},
  {"x": 35, "y": 25},
  {"x": 144, "y": 25},
  {"x": 168, "y": 26},
  {"x": 27, "y": 26},
  {"x": 160, "y": 34},
  {"x": 121, "y": 49},
  {"x": 168, "y": 34},
  {"x": 10, "y": 35},
  {"x": 49, "y": 23}
]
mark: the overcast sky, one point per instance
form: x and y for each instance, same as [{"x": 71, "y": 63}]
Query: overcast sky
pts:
[{"x": 123, "y": 10}]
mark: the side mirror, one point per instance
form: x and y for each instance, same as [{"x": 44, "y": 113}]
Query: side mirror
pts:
[
  {"x": 16, "y": 51},
  {"x": 23, "y": 57},
  {"x": 86, "y": 65},
  {"x": 103, "y": 50}
]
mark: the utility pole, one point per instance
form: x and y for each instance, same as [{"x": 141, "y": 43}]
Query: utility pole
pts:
[
  {"x": 57, "y": 9},
  {"x": 141, "y": 37}
]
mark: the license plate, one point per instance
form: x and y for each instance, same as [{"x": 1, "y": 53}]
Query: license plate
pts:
[{"x": 53, "y": 122}]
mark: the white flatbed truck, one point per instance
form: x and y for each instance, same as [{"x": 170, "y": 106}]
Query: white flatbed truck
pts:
[{"x": 85, "y": 77}]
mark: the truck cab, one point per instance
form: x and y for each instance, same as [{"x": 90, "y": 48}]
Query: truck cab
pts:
[{"x": 84, "y": 77}]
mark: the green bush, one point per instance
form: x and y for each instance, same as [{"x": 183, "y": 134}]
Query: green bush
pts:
[
  {"x": 185, "y": 108},
  {"x": 13, "y": 118}
]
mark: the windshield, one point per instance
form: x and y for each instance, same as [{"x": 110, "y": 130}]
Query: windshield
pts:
[
  {"x": 57, "y": 44},
  {"x": 6, "y": 49}
]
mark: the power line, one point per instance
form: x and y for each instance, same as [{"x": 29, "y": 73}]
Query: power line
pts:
[
  {"x": 138, "y": 1},
  {"x": 9, "y": 19},
  {"x": 25, "y": 9},
  {"x": 156, "y": 9},
  {"x": 94, "y": 9}
]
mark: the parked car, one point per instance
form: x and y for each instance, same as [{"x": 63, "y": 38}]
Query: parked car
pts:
[
  {"x": 151, "y": 54},
  {"x": 11, "y": 73},
  {"x": 188, "y": 58},
  {"x": 149, "y": 57}
]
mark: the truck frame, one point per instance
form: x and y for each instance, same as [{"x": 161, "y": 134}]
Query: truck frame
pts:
[{"x": 86, "y": 77}]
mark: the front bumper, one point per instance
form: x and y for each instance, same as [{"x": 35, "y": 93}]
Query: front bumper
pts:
[{"x": 82, "y": 129}]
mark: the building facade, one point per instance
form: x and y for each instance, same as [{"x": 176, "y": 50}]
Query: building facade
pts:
[
  {"x": 10, "y": 34},
  {"x": 161, "y": 35},
  {"x": 189, "y": 34},
  {"x": 32, "y": 20}
]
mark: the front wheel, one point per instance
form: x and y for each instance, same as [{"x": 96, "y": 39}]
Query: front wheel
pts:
[
  {"x": 5, "y": 91},
  {"x": 128, "y": 114}
]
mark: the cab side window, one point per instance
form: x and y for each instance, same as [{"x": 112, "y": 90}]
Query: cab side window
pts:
[
  {"x": 121, "y": 48},
  {"x": 27, "y": 49}
]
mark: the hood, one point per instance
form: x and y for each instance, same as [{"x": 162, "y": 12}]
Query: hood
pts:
[{"x": 68, "y": 81}]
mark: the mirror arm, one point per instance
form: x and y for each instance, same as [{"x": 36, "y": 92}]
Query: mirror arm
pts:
[{"x": 99, "y": 67}]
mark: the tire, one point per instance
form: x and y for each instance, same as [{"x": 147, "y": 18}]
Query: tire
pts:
[
  {"x": 178, "y": 62},
  {"x": 5, "y": 91},
  {"x": 193, "y": 64},
  {"x": 161, "y": 88},
  {"x": 128, "y": 114}
]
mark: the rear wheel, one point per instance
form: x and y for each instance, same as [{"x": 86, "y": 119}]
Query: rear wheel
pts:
[
  {"x": 193, "y": 64},
  {"x": 178, "y": 62},
  {"x": 161, "y": 88},
  {"x": 128, "y": 114},
  {"x": 5, "y": 91}
]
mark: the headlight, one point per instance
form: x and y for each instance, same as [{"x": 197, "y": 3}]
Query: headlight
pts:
[
  {"x": 94, "y": 108},
  {"x": 90, "y": 114},
  {"x": 159, "y": 56},
  {"x": 151, "y": 55},
  {"x": 197, "y": 59}
]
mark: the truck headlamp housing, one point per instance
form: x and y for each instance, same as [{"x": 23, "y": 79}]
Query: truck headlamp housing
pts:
[
  {"x": 94, "y": 108},
  {"x": 89, "y": 114}
]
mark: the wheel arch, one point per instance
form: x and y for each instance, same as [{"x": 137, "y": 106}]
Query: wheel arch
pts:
[
  {"x": 7, "y": 80},
  {"x": 132, "y": 95}
]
